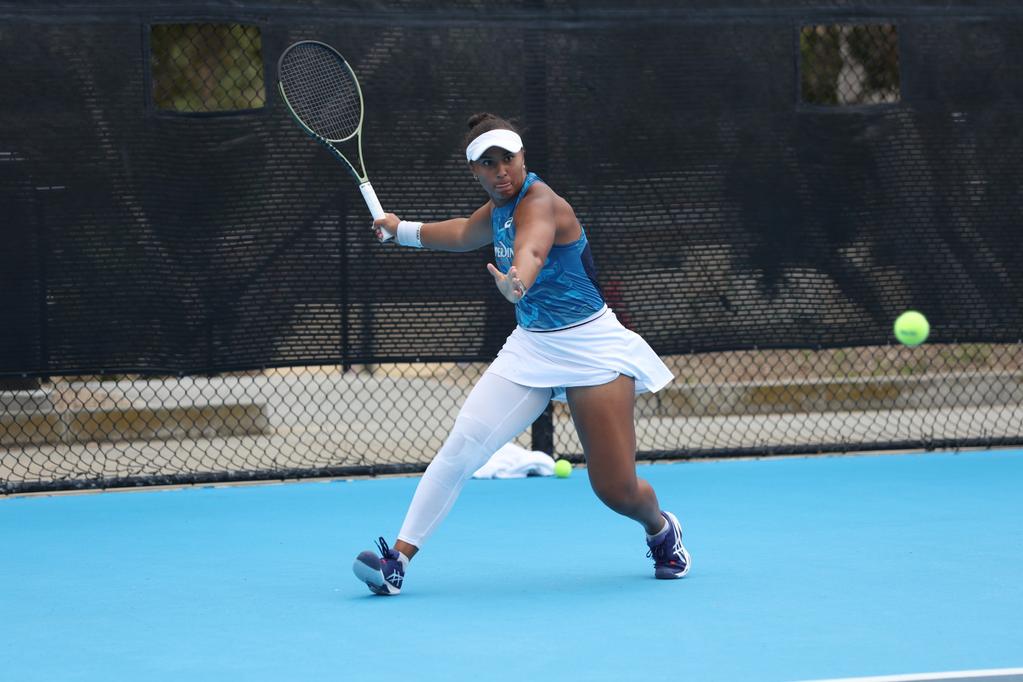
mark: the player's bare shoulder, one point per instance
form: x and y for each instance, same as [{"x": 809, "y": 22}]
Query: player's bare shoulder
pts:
[
  {"x": 538, "y": 192},
  {"x": 565, "y": 220},
  {"x": 541, "y": 194}
]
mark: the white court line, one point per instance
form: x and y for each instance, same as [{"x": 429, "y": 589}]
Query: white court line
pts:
[{"x": 993, "y": 675}]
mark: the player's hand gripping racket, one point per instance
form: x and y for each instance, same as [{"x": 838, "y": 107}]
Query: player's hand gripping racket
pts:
[{"x": 323, "y": 94}]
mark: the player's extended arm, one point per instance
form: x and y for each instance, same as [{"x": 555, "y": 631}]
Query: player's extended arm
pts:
[
  {"x": 535, "y": 230},
  {"x": 456, "y": 234}
]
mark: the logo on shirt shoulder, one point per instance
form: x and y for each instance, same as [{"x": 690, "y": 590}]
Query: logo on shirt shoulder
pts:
[{"x": 508, "y": 223}]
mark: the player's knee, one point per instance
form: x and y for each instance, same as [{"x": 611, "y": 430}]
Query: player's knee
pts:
[
  {"x": 474, "y": 430},
  {"x": 465, "y": 449}
]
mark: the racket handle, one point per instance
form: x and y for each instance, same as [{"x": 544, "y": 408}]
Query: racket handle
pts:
[{"x": 374, "y": 205}]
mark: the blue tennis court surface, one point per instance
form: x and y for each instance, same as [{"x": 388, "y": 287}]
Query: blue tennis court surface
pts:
[{"x": 803, "y": 568}]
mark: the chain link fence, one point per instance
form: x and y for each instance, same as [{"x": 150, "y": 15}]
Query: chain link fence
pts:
[
  {"x": 331, "y": 421},
  {"x": 846, "y": 65},
  {"x": 204, "y": 68},
  {"x": 104, "y": 430}
]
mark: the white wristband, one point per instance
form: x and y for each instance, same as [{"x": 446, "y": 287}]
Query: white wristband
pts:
[{"x": 408, "y": 234}]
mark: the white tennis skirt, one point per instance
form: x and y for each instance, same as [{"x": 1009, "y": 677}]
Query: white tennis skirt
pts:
[{"x": 589, "y": 354}]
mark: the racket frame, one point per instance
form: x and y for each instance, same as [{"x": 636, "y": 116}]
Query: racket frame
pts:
[{"x": 362, "y": 178}]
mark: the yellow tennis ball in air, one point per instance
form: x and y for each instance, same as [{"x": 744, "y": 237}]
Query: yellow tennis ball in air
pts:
[
  {"x": 562, "y": 468},
  {"x": 912, "y": 328}
]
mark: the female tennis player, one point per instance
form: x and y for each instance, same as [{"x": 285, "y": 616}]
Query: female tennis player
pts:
[{"x": 567, "y": 345}]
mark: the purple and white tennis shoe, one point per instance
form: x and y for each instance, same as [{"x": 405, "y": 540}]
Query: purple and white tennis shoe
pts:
[
  {"x": 383, "y": 574},
  {"x": 671, "y": 560}
]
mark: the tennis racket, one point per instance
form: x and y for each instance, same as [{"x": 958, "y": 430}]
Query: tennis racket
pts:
[{"x": 323, "y": 95}]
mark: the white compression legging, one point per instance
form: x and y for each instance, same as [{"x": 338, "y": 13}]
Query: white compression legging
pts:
[{"x": 496, "y": 411}]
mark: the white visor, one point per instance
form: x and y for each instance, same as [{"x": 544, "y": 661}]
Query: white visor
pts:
[{"x": 505, "y": 139}]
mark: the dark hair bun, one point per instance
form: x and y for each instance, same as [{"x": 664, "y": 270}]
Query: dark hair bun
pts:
[
  {"x": 483, "y": 122},
  {"x": 476, "y": 119}
]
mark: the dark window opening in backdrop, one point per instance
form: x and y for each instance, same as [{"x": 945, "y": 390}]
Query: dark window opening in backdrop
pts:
[
  {"x": 207, "y": 68},
  {"x": 849, "y": 65}
]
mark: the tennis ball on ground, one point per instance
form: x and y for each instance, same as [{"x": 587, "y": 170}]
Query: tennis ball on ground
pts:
[
  {"x": 562, "y": 468},
  {"x": 912, "y": 328}
]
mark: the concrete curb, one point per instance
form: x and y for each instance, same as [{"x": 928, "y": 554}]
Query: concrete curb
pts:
[
  {"x": 859, "y": 394},
  {"x": 37, "y": 417}
]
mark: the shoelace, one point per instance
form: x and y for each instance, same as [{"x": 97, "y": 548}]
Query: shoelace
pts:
[
  {"x": 657, "y": 552},
  {"x": 662, "y": 554},
  {"x": 385, "y": 551}
]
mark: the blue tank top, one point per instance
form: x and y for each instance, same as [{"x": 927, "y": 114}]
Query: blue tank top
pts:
[{"x": 566, "y": 289}]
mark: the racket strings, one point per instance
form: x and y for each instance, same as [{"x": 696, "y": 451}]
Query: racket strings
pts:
[{"x": 323, "y": 91}]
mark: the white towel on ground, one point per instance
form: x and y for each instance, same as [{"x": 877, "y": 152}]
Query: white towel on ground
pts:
[{"x": 514, "y": 461}]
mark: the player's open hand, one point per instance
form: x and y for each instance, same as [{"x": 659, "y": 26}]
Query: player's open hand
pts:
[{"x": 510, "y": 286}]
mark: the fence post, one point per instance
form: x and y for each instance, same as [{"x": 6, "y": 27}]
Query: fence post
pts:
[{"x": 543, "y": 431}]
